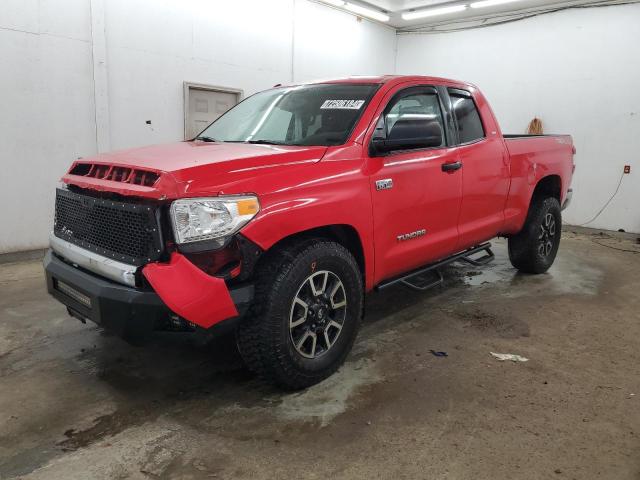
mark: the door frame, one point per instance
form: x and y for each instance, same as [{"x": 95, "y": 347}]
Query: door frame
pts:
[
  {"x": 188, "y": 86},
  {"x": 375, "y": 164}
]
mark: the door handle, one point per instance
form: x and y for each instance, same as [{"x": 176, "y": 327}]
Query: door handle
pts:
[{"x": 451, "y": 167}]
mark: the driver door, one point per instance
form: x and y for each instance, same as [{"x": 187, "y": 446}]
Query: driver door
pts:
[{"x": 416, "y": 186}]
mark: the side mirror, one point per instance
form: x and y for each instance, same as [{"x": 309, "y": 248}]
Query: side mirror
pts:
[
  {"x": 409, "y": 132},
  {"x": 378, "y": 147}
]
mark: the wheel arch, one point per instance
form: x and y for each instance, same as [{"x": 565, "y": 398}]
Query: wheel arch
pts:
[
  {"x": 548, "y": 186},
  {"x": 344, "y": 234},
  {"x": 521, "y": 201}
]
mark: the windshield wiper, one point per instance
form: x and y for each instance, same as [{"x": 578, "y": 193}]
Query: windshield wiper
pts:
[
  {"x": 204, "y": 138},
  {"x": 266, "y": 142}
]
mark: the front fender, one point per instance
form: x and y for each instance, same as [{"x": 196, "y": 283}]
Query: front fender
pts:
[{"x": 340, "y": 199}]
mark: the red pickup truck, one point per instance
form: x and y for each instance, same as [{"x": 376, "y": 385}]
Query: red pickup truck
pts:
[{"x": 282, "y": 213}]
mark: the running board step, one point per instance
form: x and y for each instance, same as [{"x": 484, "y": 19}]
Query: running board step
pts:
[{"x": 416, "y": 279}]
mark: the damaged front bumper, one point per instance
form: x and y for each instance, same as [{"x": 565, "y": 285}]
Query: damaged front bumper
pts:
[
  {"x": 181, "y": 291},
  {"x": 189, "y": 292}
]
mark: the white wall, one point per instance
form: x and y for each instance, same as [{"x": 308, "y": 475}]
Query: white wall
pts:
[
  {"x": 46, "y": 112},
  {"x": 48, "y": 63},
  {"x": 578, "y": 70}
]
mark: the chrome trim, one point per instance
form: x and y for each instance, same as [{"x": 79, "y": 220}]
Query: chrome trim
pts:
[
  {"x": 567, "y": 199},
  {"x": 411, "y": 235},
  {"x": 118, "y": 272}
]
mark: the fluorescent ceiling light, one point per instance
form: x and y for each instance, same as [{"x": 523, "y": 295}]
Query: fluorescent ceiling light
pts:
[
  {"x": 367, "y": 12},
  {"x": 490, "y": 3},
  {"x": 431, "y": 12},
  {"x": 335, "y": 3}
]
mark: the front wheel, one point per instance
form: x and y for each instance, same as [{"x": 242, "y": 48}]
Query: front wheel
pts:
[
  {"x": 305, "y": 315},
  {"x": 534, "y": 248}
]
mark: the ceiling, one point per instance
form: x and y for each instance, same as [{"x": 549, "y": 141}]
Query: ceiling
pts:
[{"x": 395, "y": 8}]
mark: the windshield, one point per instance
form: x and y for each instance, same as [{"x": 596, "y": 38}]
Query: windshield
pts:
[{"x": 305, "y": 115}]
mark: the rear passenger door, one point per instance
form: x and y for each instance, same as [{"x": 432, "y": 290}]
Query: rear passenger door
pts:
[{"x": 485, "y": 172}]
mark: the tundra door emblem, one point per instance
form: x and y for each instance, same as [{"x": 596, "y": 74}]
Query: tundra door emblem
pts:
[
  {"x": 384, "y": 184},
  {"x": 412, "y": 235}
]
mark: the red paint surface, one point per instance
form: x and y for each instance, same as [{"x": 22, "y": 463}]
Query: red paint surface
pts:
[
  {"x": 301, "y": 188},
  {"x": 189, "y": 292}
]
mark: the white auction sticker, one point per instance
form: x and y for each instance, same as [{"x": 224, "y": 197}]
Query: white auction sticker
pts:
[{"x": 343, "y": 104}]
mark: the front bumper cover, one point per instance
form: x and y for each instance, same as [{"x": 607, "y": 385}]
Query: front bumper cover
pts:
[
  {"x": 189, "y": 292},
  {"x": 126, "y": 310}
]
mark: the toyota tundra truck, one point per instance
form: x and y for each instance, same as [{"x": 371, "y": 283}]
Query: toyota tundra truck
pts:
[{"x": 277, "y": 218}]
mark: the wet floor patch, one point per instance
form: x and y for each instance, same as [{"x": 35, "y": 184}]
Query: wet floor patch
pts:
[
  {"x": 319, "y": 405},
  {"x": 324, "y": 402},
  {"x": 504, "y": 325},
  {"x": 125, "y": 455},
  {"x": 105, "y": 426},
  {"x": 568, "y": 275}
]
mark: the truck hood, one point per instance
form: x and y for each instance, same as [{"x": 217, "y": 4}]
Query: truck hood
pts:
[{"x": 188, "y": 168}]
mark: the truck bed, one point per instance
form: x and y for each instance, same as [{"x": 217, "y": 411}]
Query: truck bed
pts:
[{"x": 525, "y": 135}]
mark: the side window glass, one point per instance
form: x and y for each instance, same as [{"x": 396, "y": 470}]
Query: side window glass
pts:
[
  {"x": 416, "y": 114},
  {"x": 467, "y": 117}
]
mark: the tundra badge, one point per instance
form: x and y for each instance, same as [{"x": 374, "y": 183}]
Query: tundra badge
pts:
[
  {"x": 384, "y": 184},
  {"x": 409, "y": 236}
]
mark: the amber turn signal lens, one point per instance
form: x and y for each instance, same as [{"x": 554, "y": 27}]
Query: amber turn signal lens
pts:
[{"x": 248, "y": 207}]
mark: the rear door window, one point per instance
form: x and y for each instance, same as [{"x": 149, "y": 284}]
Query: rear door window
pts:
[{"x": 467, "y": 117}]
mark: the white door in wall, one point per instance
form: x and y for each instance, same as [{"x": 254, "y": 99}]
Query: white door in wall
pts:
[{"x": 203, "y": 104}]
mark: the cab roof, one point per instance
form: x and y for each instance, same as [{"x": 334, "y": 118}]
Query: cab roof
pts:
[{"x": 391, "y": 80}]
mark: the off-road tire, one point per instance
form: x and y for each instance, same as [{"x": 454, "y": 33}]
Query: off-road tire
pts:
[
  {"x": 526, "y": 249},
  {"x": 263, "y": 335}
]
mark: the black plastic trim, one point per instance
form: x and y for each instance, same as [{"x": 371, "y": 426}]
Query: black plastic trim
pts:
[
  {"x": 250, "y": 254},
  {"x": 118, "y": 308},
  {"x": 445, "y": 101},
  {"x": 210, "y": 245}
]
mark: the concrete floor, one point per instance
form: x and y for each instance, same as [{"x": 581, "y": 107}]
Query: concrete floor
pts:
[{"x": 76, "y": 403}]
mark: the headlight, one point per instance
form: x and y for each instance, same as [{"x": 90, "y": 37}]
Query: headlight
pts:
[{"x": 197, "y": 219}]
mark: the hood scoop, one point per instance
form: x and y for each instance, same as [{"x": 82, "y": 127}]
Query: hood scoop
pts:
[{"x": 133, "y": 176}]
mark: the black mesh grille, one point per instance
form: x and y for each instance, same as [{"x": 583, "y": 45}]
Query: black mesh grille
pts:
[{"x": 126, "y": 232}]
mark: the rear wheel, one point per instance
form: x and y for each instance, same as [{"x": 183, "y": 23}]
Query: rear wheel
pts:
[
  {"x": 305, "y": 316},
  {"x": 534, "y": 248}
]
